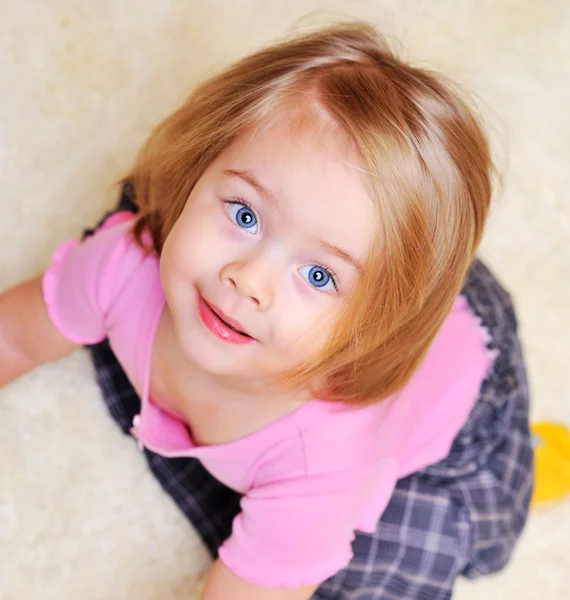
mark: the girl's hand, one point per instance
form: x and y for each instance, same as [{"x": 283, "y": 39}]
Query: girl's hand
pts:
[
  {"x": 27, "y": 336},
  {"x": 222, "y": 584}
]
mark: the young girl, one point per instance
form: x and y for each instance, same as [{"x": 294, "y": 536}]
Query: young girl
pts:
[{"x": 287, "y": 314}]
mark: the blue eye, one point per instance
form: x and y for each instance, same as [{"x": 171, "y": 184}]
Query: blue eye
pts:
[
  {"x": 319, "y": 277},
  {"x": 243, "y": 216}
]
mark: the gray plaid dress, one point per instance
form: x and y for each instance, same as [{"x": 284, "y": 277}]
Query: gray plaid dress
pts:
[{"x": 460, "y": 516}]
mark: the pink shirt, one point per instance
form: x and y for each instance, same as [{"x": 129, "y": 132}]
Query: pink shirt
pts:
[{"x": 309, "y": 479}]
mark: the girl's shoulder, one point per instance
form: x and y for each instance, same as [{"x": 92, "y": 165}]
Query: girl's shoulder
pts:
[
  {"x": 87, "y": 277},
  {"x": 416, "y": 425}
]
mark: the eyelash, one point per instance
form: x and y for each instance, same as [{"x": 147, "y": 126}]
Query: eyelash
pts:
[
  {"x": 241, "y": 202},
  {"x": 246, "y": 204}
]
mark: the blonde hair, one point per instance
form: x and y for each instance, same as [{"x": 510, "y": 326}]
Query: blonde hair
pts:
[{"x": 428, "y": 164}]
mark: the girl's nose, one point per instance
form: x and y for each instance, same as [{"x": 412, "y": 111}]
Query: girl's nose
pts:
[{"x": 251, "y": 279}]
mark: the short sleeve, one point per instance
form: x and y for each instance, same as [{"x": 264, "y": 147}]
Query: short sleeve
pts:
[
  {"x": 435, "y": 405},
  {"x": 299, "y": 532},
  {"x": 79, "y": 286}
]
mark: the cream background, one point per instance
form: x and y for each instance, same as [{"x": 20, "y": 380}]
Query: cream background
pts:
[{"x": 82, "y": 83}]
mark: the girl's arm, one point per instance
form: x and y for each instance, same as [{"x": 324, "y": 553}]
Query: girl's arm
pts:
[
  {"x": 222, "y": 584},
  {"x": 27, "y": 336}
]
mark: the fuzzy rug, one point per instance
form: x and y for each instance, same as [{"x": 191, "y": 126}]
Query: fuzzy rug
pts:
[{"x": 82, "y": 83}]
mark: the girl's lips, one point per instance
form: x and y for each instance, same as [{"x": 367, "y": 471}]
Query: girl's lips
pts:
[{"x": 217, "y": 325}]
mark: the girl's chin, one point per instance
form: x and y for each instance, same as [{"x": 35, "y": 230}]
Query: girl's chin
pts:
[
  {"x": 207, "y": 356},
  {"x": 238, "y": 364}
]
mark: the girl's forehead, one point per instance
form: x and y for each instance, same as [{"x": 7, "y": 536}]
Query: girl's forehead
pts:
[
  {"x": 304, "y": 143},
  {"x": 305, "y": 122}
]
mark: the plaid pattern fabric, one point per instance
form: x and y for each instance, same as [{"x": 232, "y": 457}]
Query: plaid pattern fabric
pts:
[{"x": 460, "y": 516}]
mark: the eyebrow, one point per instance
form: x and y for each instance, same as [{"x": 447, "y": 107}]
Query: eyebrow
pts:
[
  {"x": 250, "y": 178},
  {"x": 340, "y": 253},
  {"x": 268, "y": 195}
]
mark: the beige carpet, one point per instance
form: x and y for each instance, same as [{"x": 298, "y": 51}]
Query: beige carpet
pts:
[{"x": 82, "y": 83}]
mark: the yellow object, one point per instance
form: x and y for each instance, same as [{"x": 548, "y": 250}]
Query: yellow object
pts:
[{"x": 552, "y": 462}]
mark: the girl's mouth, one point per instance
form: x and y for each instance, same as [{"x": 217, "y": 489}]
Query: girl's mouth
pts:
[{"x": 221, "y": 325}]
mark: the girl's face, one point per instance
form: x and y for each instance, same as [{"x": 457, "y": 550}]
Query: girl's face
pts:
[{"x": 270, "y": 242}]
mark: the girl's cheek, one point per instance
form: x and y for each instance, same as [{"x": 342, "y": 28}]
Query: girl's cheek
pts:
[
  {"x": 207, "y": 229},
  {"x": 301, "y": 287},
  {"x": 223, "y": 227},
  {"x": 302, "y": 324},
  {"x": 231, "y": 232}
]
